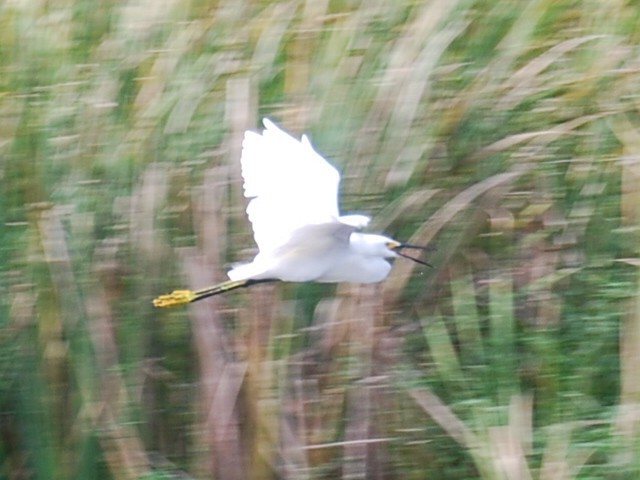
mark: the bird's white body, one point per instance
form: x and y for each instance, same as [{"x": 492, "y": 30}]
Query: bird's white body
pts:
[
  {"x": 293, "y": 209},
  {"x": 321, "y": 258}
]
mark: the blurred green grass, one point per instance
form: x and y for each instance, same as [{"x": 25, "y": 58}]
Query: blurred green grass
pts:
[{"x": 505, "y": 133}]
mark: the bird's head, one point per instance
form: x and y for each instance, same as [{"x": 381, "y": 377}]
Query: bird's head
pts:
[
  {"x": 386, "y": 247},
  {"x": 395, "y": 248}
]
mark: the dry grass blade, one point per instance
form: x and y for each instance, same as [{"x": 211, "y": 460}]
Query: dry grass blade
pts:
[
  {"x": 629, "y": 136},
  {"x": 183, "y": 111},
  {"x": 508, "y": 458},
  {"x": 211, "y": 215},
  {"x": 54, "y": 244},
  {"x": 426, "y": 233},
  {"x": 554, "y": 463},
  {"x": 261, "y": 402},
  {"x": 559, "y": 460},
  {"x": 406, "y": 79},
  {"x": 294, "y": 461},
  {"x": 223, "y": 409},
  {"x": 123, "y": 446},
  {"x": 540, "y": 138},
  {"x": 408, "y": 101},
  {"x": 519, "y": 84},
  {"x": 510, "y": 444},
  {"x": 293, "y": 426},
  {"x": 272, "y": 24},
  {"x": 359, "y": 426},
  {"x": 445, "y": 417},
  {"x": 221, "y": 432},
  {"x": 467, "y": 318},
  {"x": 628, "y": 422},
  {"x": 463, "y": 200},
  {"x": 240, "y": 115},
  {"x": 411, "y": 202},
  {"x": 144, "y": 203},
  {"x": 441, "y": 348},
  {"x": 358, "y": 431},
  {"x": 139, "y": 18},
  {"x": 513, "y": 140},
  {"x": 333, "y": 329}
]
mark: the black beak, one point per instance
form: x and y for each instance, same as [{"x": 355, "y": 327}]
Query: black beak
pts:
[{"x": 415, "y": 247}]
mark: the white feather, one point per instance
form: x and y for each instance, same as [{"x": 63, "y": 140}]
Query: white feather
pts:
[{"x": 289, "y": 185}]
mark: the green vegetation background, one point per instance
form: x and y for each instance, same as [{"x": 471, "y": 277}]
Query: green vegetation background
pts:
[{"x": 506, "y": 133}]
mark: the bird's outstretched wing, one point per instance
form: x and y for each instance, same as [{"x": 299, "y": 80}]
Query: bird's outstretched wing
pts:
[{"x": 290, "y": 185}]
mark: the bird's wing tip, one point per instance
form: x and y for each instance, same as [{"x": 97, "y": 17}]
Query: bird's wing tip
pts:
[
  {"x": 355, "y": 221},
  {"x": 269, "y": 124}
]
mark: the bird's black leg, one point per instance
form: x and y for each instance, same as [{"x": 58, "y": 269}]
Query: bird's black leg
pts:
[{"x": 228, "y": 286}]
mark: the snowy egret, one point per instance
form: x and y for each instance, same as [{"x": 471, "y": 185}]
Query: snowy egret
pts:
[{"x": 293, "y": 209}]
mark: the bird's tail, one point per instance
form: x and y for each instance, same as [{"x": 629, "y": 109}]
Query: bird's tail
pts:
[
  {"x": 182, "y": 297},
  {"x": 243, "y": 271}
]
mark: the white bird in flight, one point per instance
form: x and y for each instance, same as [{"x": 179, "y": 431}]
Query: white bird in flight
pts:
[{"x": 293, "y": 209}]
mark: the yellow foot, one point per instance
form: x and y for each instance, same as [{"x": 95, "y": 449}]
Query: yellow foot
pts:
[{"x": 177, "y": 297}]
